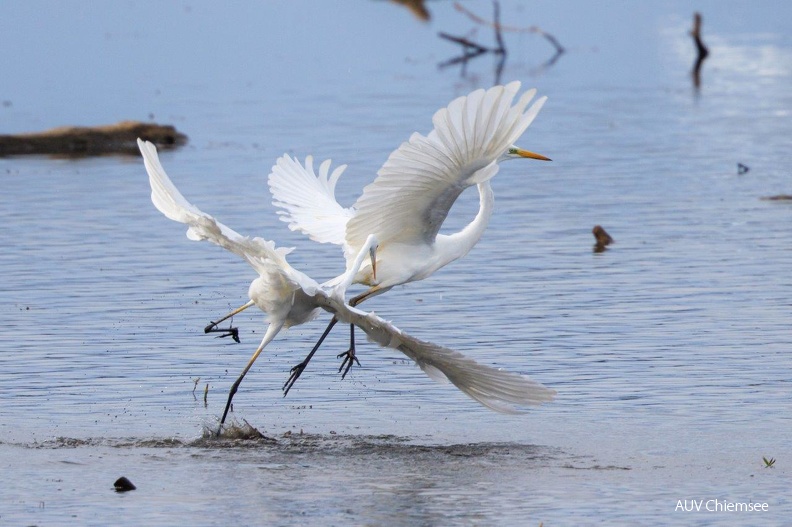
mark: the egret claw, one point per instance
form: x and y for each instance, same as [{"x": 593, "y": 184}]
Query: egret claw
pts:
[
  {"x": 295, "y": 374},
  {"x": 349, "y": 360}
]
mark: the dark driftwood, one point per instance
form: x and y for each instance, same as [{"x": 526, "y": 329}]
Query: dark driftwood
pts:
[
  {"x": 778, "y": 197},
  {"x": 76, "y": 141}
]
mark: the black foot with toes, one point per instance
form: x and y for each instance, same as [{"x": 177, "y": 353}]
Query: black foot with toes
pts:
[
  {"x": 230, "y": 331},
  {"x": 349, "y": 359},
  {"x": 295, "y": 374}
]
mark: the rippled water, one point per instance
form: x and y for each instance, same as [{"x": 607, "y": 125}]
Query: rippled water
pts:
[{"x": 669, "y": 351}]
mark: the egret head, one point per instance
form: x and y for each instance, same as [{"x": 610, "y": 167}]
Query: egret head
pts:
[{"x": 514, "y": 152}]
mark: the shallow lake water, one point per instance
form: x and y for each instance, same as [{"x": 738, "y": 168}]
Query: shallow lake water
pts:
[{"x": 670, "y": 351}]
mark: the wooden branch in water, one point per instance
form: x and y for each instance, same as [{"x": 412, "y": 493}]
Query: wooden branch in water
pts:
[
  {"x": 473, "y": 49},
  {"x": 119, "y": 138},
  {"x": 478, "y": 48},
  {"x": 701, "y": 49},
  {"x": 511, "y": 29}
]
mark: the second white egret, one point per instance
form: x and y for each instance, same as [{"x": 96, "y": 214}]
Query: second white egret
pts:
[{"x": 407, "y": 203}]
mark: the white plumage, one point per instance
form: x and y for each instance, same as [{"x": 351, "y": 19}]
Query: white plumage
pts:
[
  {"x": 407, "y": 203},
  {"x": 405, "y": 206},
  {"x": 289, "y": 297}
]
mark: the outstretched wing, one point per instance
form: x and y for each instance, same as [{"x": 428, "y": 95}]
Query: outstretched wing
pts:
[
  {"x": 418, "y": 184},
  {"x": 307, "y": 201},
  {"x": 496, "y": 389},
  {"x": 261, "y": 254}
]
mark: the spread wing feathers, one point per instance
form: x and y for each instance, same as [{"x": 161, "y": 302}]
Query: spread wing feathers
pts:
[
  {"x": 259, "y": 253},
  {"x": 496, "y": 389},
  {"x": 416, "y": 187},
  {"x": 307, "y": 201}
]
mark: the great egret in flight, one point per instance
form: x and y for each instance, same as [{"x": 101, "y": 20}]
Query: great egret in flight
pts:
[
  {"x": 407, "y": 203},
  {"x": 289, "y": 298}
]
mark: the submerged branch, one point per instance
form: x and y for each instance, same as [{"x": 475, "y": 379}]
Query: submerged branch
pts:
[
  {"x": 511, "y": 29},
  {"x": 701, "y": 49}
]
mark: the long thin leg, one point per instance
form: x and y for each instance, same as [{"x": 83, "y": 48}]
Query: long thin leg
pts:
[
  {"x": 272, "y": 330},
  {"x": 349, "y": 355},
  {"x": 297, "y": 370},
  {"x": 213, "y": 325}
]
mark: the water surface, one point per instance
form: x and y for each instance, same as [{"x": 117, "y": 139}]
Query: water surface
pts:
[{"x": 669, "y": 351}]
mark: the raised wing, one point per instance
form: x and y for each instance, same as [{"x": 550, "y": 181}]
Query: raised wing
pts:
[
  {"x": 307, "y": 201},
  {"x": 496, "y": 389},
  {"x": 416, "y": 187},
  {"x": 261, "y": 254}
]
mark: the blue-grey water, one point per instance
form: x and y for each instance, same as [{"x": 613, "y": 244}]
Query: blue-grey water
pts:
[{"x": 670, "y": 351}]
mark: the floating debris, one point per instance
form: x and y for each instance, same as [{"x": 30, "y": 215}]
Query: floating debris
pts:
[
  {"x": 742, "y": 169},
  {"x": 122, "y": 484},
  {"x": 603, "y": 238},
  {"x": 778, "y": 197},
  {"x": 78, "y": 141}
]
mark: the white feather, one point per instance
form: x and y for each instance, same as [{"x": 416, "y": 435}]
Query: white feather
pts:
[
  {"x": 498, "y": 390},
  {"x": 307, "y": 200},
  {"x": 416, "y": 187},
  {"x": 289, "y": 297}
]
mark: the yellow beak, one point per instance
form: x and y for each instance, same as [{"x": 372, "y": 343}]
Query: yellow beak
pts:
[{"x": 530, "y": 155}]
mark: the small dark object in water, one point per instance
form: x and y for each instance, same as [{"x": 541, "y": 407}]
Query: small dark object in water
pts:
[
  {"x": 122, "y": 484},
  {"x": 778, "y": 197},
  {"x": 701, "y": 50},
  {"x": 78, "y": 141},
  {"x": 742, "y": 169},
  {"x": 603, "y": 238},
  {"x": 417, "y": 8}
]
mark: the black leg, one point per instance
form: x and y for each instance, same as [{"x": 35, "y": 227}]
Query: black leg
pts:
[
  {"x": 231, "y": 394},
  {"x": 349, "y": 355},
  {"x": 297, "y": 370}
]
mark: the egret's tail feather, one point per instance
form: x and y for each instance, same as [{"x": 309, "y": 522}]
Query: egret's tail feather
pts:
[{"x": 496, "y": 389}]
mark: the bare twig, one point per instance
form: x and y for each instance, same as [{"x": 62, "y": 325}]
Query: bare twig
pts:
[
  {"x": 472, "y": 49},
  {"x": 464, "y": 42},
  {"x": 511, "y": 29}
]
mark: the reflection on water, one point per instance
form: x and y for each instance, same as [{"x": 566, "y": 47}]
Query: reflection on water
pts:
[{"x": 669, "y": 350}]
